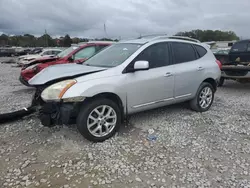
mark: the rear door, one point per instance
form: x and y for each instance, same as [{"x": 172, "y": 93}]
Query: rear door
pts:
[
  {"x": 240, "y": 51},
  {"x": 188, "y": 70}
]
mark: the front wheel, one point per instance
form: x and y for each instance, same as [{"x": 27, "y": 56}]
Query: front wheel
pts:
[
  {"x": 204, "y": 98},
  {"x": 99, "y": 119}
]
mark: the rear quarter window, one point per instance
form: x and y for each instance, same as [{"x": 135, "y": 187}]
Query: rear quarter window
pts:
[{"x": 200, "y": 50}]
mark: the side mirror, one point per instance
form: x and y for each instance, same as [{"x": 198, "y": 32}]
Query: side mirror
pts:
[{"x": 141, "y": 65}]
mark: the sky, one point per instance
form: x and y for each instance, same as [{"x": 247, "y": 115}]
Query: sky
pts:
[{"x": 122, "y": 18}]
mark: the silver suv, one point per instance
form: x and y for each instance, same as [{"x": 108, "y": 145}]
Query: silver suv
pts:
[{"x": 126, "y": 78}]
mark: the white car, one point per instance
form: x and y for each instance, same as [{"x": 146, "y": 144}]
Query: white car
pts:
[
  {"x": 25, "y": 59},
  {"x": 125, "y": 78}
]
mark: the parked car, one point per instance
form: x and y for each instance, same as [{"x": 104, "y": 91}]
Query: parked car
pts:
[
  {"x": 21, "y": 51},
  {"x": 222, "y": 56},
  {"x": 22, "y": 60},
  {"x": 238, "y": 65},
  {"x": 74, "y": 54},
  {"x": 240, "y": 49},
  {"x": 126, "y": 78},
  {"x": 224, "y": 51},
  {"x": 36, "y": 51},
  {"x": 7, "y": 52}
]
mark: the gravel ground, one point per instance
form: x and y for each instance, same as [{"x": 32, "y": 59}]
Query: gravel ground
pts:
[{"x": 211, "y": 149}]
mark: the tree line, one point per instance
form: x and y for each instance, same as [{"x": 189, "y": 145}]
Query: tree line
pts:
[
  {"x": 210, "y": 35},
  {"x": 28, "y": 40}
]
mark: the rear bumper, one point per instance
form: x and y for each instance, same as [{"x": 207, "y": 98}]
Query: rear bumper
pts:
[{"x": 56, "y": 113}]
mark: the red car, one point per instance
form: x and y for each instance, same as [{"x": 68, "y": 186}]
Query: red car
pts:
[{"x": 74, "y": 54}]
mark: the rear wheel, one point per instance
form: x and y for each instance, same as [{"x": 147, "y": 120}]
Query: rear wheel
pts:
[
  {"x": 204, "y": 98},
  {"x": 99, "y": 119}
]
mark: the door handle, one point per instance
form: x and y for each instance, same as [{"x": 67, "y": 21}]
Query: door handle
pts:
[
  {"x": 168, "y": 74},
  {"x": 200, "y": 68}
]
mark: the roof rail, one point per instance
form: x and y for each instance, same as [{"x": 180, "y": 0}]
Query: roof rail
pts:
[
  {"x": 164, "y": 36},
  {"x": 184, "y": 38},
  {"x": 152, "y": 36}
]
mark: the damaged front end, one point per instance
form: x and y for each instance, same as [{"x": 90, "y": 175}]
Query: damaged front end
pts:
[
  {"x": 56, "y": 110},
  {"x": 58, "y": 113}
]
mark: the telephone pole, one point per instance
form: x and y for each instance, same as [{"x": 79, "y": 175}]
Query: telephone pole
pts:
[
  {"x": 46, "y": 38},
  {"x": 105, "y": 30}
]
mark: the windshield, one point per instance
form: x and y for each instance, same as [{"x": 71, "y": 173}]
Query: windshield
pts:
[
  {"x": 113, "y": 56},
  {"x": 67, "y": 51}
]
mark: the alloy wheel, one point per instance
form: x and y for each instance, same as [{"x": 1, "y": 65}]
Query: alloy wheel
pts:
[
  {"x": 205, "y": 97},
  {"x": 101, "y": 121}
]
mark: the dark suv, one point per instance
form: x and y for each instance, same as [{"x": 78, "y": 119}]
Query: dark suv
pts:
[
  {"x": 240, "y": 50},
  {"x": 238, "y": 66}
]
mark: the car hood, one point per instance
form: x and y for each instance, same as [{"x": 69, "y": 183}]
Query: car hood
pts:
[{"x": 58, "y": 72}]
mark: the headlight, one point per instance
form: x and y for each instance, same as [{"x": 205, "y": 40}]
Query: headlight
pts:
[{"x": 56, "y": 91}]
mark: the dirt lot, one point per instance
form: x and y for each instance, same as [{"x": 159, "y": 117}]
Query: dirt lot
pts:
[{"x": 211, "y": 149}]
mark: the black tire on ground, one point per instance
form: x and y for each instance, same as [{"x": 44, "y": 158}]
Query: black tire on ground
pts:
[
  {"x": 194, "y": 103},
  {"x": 85, "y": 111},
  {"x": 221, "y": 82}
]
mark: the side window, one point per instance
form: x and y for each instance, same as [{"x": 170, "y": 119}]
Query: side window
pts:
[
  {"x": 239, "y": 47},
  {"x": 201, "y": 51},
  {"x": 183, "y": 52},
  {"x": 157, "y": 55},
  {"x": 85, "y": 53},
  {"x": 55, "y": 52},
  {"x": 46, "y": 53}
]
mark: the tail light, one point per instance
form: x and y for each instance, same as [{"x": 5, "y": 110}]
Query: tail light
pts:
[{"x": 219, "y": 63}]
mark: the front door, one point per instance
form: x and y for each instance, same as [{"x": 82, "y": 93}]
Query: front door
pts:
[{"x": 151, "y": 88}]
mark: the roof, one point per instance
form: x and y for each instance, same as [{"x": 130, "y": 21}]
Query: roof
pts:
[
  {"x": 150, "y": 38},
  {"x": 102, "y": 42},
  {"x": 93, "y": 42},
  {"x": 49, "y": 49}
]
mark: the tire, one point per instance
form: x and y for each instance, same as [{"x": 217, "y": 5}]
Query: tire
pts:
[
  {"x": 88, "y": 109},
  {"x": 221, "y": 82},
  {"x": 195, "y": 103}
]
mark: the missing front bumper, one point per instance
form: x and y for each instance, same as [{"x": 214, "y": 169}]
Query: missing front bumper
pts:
[{"x": 54, "y": 113}]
